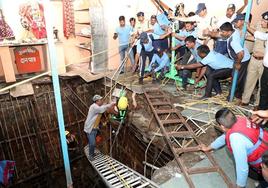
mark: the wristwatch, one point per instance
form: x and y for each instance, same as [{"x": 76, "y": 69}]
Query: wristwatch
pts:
[{"x": 182, "y": 67}]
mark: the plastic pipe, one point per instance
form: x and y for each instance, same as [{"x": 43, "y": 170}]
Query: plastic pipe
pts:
[
  {"x": 56, "y": 87},
  {"x": 235, "y": 76}
]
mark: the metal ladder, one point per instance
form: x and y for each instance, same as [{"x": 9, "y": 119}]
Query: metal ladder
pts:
[
  {"x": 116, "y": 174},
  {"x": 168, "y": 116}
]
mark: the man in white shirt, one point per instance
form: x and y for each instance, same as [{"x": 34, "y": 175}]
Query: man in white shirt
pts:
[
  {"x": 263, "y": 105},
  {"x": 142, "y": 25}
]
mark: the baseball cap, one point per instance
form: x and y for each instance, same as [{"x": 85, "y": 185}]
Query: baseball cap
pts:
[
  {"x": 143, "y": 37},
  {"x": 96, "y": 97},
  {"x": 265, "y": 16},
  {"x": 140, "y": 14},
  {"x": 231, "y": 6},
  {"x": 200, "y": 7},
  {"x": 239, "y": 17}
]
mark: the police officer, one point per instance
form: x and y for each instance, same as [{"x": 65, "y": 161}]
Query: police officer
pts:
[
  {"x": 255, "y": 70},
  {"x": 263, "y": 105}
]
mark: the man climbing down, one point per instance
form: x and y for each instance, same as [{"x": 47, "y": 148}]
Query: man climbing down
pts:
[
  {"x": 145, "y": 49},
  {"x": 121, "y": 108},
  {"x": 92, "y": 122},
  {"x": 160, "y": 63},
  {"x": 245, "y": 140}
]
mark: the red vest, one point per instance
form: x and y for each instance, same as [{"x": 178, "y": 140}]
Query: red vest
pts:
[{"x": 253, "y": 132}]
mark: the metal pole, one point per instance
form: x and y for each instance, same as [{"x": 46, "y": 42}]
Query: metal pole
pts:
[
  {"x": 235, "y": 76},
  {"x": 56, "y": 87}
]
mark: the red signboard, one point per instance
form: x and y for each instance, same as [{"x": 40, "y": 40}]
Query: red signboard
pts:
[{"x": 27, "y": 59}]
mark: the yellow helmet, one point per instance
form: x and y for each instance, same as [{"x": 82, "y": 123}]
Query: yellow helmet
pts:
[
  {"x": 66, "y": 133},
  {"x": 122, "y": 103}
]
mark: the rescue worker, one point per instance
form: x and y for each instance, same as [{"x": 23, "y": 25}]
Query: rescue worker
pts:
[
  {"x": 231, "y": 14},
  {"x": 190, "y": 57},
  {"x": 217, "y": 65},
  {"x": 264, "y": 170},
  {"x": 159, "y": 64},
  {"x": 92, "y": 122},
  {"x": 245, "y": 140},
  {"x": 145, "y": 49},
  {"x": 121, "y": 109},
  {"x": 255, "y": 70},
  {"x": 71, "y": 140},
  {"x": 237, "y": 53},
  {"x": 142, "y": 25}
]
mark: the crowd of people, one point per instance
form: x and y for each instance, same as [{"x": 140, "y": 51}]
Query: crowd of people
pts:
[
  {"x": 208, "y": 46},
  {"x": 211, "y": 48}
]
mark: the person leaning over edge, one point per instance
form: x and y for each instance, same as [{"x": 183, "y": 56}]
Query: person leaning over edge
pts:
[
  {"x": 246, "y": 140},
  {"x": 217, "y": 65}
]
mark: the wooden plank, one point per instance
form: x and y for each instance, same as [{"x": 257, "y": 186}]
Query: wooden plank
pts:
[{"x": 6, "y": 62}]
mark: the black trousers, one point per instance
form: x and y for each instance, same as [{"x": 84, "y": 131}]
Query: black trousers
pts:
[
  {"x": 144, "y": 55},
  {"x": 213, "y": 77},
  {"x": 264, "y": 90},
  {"x": 241, "y": 80}
]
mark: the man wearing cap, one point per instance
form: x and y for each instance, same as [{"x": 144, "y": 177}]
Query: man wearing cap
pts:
[
  {"x": 217, "y": 65},
  {"x": 123, "y": 32},
  {"x": 92, "y": 122},
  {"x": 145, "y": 49},
  {"x": 263, "y": 105},
  {"x": 220, "y": 43},
  {"x": 238, "y": 23},
  {"x": 142, "y": 25},
  {"x": 203, "y": 22},
  {"x": 238, "y": 53},
  {"x": 160, "y": 63},
  {"x": 231, "y": 14}
]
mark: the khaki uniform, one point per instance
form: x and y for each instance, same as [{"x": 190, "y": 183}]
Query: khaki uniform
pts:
[
  {"x": 141, "y": 27},
  {"x": 255, "y": 70}
]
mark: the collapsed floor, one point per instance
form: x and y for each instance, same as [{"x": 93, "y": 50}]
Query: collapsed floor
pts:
[{"x": 29, "y": 134}]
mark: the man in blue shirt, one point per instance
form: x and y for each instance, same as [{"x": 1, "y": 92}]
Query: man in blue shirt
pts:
[
  {"x": 160, "y": 63},
  {"x": 245, "y": 140},
  {"x": 145, "y": 49},
  {"x": 217, "y": 65},
  {"x": 189, "y": 30},
  {"x": 158, "y": 30},
  {"x": 123, "y": 32},
  {"x": 239, "y": 54},
  {"x": 189, "y": 57}
]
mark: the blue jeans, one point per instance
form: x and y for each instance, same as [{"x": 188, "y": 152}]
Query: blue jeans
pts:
[
  {"x": 92, "y": 141},
  {"x": 123, "y": 50}
]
